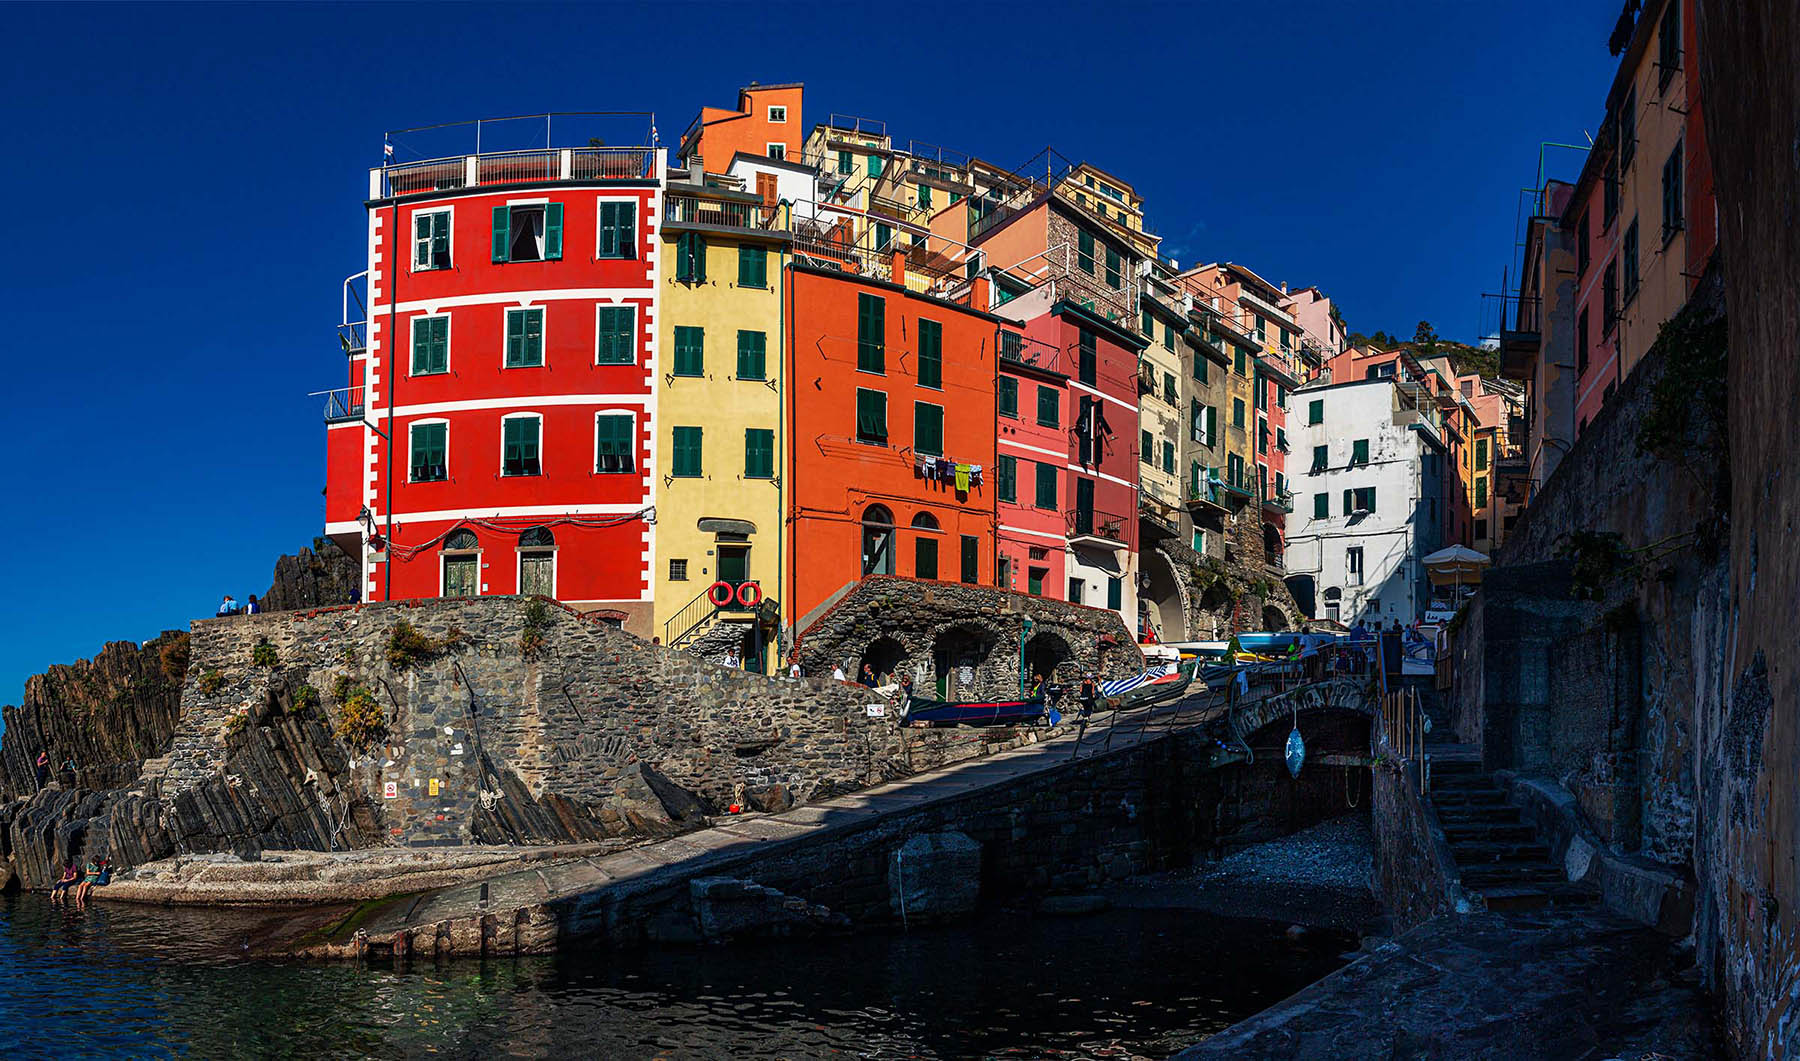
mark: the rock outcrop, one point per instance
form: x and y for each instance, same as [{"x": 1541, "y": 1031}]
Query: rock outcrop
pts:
[{"x": 318, "y": 577}]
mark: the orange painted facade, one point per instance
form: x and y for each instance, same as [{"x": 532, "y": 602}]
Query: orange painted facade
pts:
[
  {"x": 858, "y": 500},
  {"x": 765, "y": 115}
]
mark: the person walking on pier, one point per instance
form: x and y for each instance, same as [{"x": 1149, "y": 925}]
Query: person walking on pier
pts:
[{"x": 1088, "y": 693}]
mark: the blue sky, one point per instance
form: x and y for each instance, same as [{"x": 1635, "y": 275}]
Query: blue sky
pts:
[{"x": 185, "y": 183}]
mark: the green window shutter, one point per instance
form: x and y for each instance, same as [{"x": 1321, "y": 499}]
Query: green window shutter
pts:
[
  {"x": 615, "y": 444},
  {"x": 1146, "y": 449},
  {"x": 1046, "y": 486},
  {"x": 845, "y": 163},
  {"x": 925, "y": 196},
  {"x": 1112, "y": 267},
  {"x": 553, "y": 228},
  {"x": 931, "y": 354},
  {"x": 618, "y": 230},
  {"x": 1049, "y": 407},
  {"x": 502, "y": 232},
  {"x": 1348, "y": 504},
  {"x": 1359, "y": 451},
  {"x": 1007, "y": 397},
  {"x": 928, "y": 429},
  {"x": 1321, "y": 506},
  {"x": 1006, "y": 476},
  {"x": 519, "y": 446},
  {"x": 1315, "y": 411},
  {"x": 871, "y": 333},
  {"x": 1168, "y": 464},
  {"x": 422, "y": 241},
  {"x": 1088, "y": 367},
  {"x": 609, "y": 237},
  {"x": 1200, "y": 367},
  {"x": 616, "y": 345},
  {"x": 753, "y": 266},
  {"x": 687, "y": 453},
  {"x": 690, "y": 351},
  {"x": 759, "y": 453},
  {"x": 874, "y": 165},
  {"x": 752, "y": 355},
  {"x": 428, "y": 458},
  {"x": 1115, "y": 593},
  {"x": 534, "y": 337},
  {"x": 1481, "y": 454},
  {"x": 1321, "y": 458},
  {"x": 1212, "y": 425},
  {"x": 871, "y": 416},
  {"x": 1237, "y": 412},
  {"x": 1481, "y": 492},
  {"x": 1084, "y": 251},
  {"x": 421, "y": 346},
  {"x": 524, "y": 338}
]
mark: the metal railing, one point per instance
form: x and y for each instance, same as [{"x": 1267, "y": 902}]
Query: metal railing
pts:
[
  {"x": 1207, "y": 493},
  {"x": 1509, "y": 312},
  {"x": 1281, "y": 501},
  {"x": 353, "y": 326},
  {"x": 1090, "y": 523},
  {"x": 341, "y": 405},
  {"x": 726, "y": 213},
  {"x": 535, "y": 165}
]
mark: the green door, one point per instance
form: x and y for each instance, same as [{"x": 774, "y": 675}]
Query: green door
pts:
[
  {"x": 734, "y": 565},
  {"x": 537, "y": 574},
  {"x": 462, "y": 575}
]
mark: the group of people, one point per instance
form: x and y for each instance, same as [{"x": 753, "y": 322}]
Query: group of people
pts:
[
  {"x": 230, "y": 606},
  {"x": 1050, "y": 691},
  {"x": 43, "y": 769},
  {"x": 96, "y": 872}
]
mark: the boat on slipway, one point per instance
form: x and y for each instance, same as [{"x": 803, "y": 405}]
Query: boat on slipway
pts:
[{"x": 1157, "y": 683}]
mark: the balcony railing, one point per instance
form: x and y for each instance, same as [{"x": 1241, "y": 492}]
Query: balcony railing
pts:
[
  {"x": 1280, "y": 501},
  {"x": 724, "y": 213},
  {"x": 1209, "y": 494},
  {"x": 1088, "y": 523},
  {"x": 516, "y": 167},
  {"x": 343, "y": 405}
]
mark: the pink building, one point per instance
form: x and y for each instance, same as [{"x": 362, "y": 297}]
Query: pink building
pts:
[{"x": 1032, "y": 399}]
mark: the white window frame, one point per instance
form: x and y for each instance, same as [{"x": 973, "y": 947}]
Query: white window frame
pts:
[
  {"x": 630, "y": 414},
  {"x": 636, "y": 219},
  {"x": 413, "y": 232},
  {"x": 773, "y": 146},
  {"x": 422, "y": 422},
  {"x": 778, "y": 107},
  {"x": 413, "y": 326},
  {"x": 519, "y": 553},
  {"x": 543, "y": 235},
  {"x": 544, "y": 362},
  {"x": 542, "y": 463},
  {"x": 636, "y": 333},
  {"x": 444, "y": 563}
]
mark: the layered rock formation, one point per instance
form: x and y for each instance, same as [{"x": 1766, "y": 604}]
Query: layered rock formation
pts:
[{"x": 318, "y": 577}]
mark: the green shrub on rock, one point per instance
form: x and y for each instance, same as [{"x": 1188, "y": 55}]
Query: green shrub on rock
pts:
[
  {"x": 536, "y": 620},
  {"x": 359, "y": 721},
  {"x": 407, "y": 646},
  {"x": 212, "y": 681},
  {"x": 263, "y": 653}
]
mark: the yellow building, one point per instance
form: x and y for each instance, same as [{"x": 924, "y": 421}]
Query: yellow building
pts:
[{"x": 718, "y": 415}]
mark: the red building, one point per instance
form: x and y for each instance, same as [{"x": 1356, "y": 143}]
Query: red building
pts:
[
  {"x": 1031, "y": 469},
  {"x": 519, "y": 290},
  {"x": 891, "y": 413}
]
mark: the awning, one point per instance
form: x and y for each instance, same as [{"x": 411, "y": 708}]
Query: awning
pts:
[{"x": 1456, "y": 565}]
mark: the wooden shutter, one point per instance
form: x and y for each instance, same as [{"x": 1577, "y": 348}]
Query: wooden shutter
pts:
[
  {"x": 765, "y": 187},
  {"x": 502, "y": 232},
  {"x": 553, "y": 232},
  {"x": 515, "y": 337}
]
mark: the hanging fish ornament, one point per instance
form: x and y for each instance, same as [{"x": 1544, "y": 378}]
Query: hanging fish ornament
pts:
[{"x": 1296, "y": 752}]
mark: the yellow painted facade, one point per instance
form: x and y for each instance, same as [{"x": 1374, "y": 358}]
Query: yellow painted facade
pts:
[{"x": 725, "y": 521}]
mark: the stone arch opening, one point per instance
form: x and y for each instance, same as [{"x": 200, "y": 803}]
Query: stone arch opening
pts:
[
  {"x": 884, "y": 655},
  {"x": 1045, "y": 652},
  {"x": 877, "y": 540},
  {"x": 958, "y": 656},
  {"x": 1161, "y": 612},
  {"x": 1273, "y": 619},
  {"x": 1216, "y": 598},
  {"x": 1271, "y": 543}
]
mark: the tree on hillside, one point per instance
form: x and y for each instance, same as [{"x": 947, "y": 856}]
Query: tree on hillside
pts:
[{"x": 1425, "y": 340}]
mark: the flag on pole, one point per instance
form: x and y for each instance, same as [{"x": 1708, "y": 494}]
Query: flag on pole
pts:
[{"x": 387, "y": 149}]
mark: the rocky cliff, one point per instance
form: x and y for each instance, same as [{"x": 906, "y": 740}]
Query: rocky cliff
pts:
[{"x": 313, "y": 578}]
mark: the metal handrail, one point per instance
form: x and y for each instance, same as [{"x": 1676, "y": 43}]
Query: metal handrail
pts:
[{"x": 694, "y": 613}]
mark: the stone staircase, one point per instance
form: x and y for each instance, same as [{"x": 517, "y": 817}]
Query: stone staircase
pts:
[{"x": 1498, "y": 853}]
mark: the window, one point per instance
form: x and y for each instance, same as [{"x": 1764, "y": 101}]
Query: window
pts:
[
  {"x": 925, "y": 196},
  {"x": 690, "y": 350},
  {"x": 430, "y": 452},
  {"x": 1149, "y": 326},
  {"x": 971, "y": 558},
  {"x": 1671, "y": 191},
  {"x": 752, "y": 355},
  {"x": 753, "y": 266},
  {"x": 1315, "y": 411},
  {"x": 1200, "y": 367},
  {"x": 877, "y": 541},
  {"x": 690, "y": 258},
  {"x": 759, "y": 453},
  {"x": 1262, "y": 435},
  {"x": 677, "y": 570},
  {"x": 617, "y": 343},
  {"x": 1281, "y": 442},
  {"x": 874, "y": 165},
  {"x": 1197, "y": 422},
  {"x": 1610, "y": 202},
  {"x": 1581, "y": 342},
  {"x": 1629, "y": 252},
  {"x": 615, "y": 443},
  {"x": 1087, "y": 359},
  {"x": 1006, "y": 474},
  {"x": 884, "y": 236},
  {"x": 1353, "y": 564},
  {"x": 1361, "y": 499},
  {"x": 1237, "y": 412},
  {"x": 1481, "y": 492},
  {"x": 871, "y": 416},
  {"x": 1084, "y": 251},
  {"x": 1262, "y": 329},
  {"x": 1628, "y": 128},
  {"x": 1113, "y": 262},
  {"x": 1034, "y": 580},
  {"x": 687, "y": 453},
  {"x": 524, "y": 338},
  {"x": 1199, "y": 541},
  {"x": 1234, "y": 470},
  {"x": 928, "y": 429},
  {"x": 431, "y": 239},
  {"x": 1007, "y": 397},
  {"x": 1582, "y": 248},
  {"x": 846, "y": 163},
  {"x": 1049, "y": 407},
  {"x": 430, "y": 345},
  {"x": 1012, "y": 346},
  {"x": 1359, "y": 452},
  {"x": 1169, "y": 335},
  {"x": 528, "y": 233},
  {"x": 1668, "y": 46},
  {"x": 931, "y": 354},
  {"x": 1146, "y": 449},
  {"x": 1609, "y": 297},
  {"x": 1168, "y": 461},
  {"x": 1242, "y": 362},
  {"x": 777, "y": 150},
  {"x": 618, "y": 230},
  {"x": 1321, "y": 458},
  {"x": 1260, "y": 388},
  {"x": 925, "y": 558},
  {"x": 871, "y": 333},
  {"x": 1115, "y": 593},
  {"x": 1481, "y": 526},
  {"x": 1046, "y": 487},
  {"x": 777, "y": 113},
  {"x": 1169, "y": 393},
  {"x": 519, "y": 438},
  {"x": 1481, "y": 454},
  {"x": 1075, "y": 587},
  {"x": 1321, "y": 506}
]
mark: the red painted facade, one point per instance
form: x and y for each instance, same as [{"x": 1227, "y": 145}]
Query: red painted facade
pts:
[
  {"x": 858, "y": 501},
  {"x": 438, "y": 352},
  {"x": 1033, "y": 401}
]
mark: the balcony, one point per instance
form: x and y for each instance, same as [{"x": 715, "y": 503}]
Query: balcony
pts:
[
  {"x": 1207, "y": 498},
  {"x": 515, "y": 167},
  {"x": 1105, "y": 530},
  {"x": 721, "y": 211},
  {"x": 342, "y": 406},
  {"x": 1280, "y": 501},
  {"x": 1520, "y": 330},
  {"x": 1157, "y": 517}
]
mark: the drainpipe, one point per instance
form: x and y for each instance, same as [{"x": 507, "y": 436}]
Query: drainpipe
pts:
[
  {"x": 781, "y": 436},
  {"x": 387, "y": 587}
]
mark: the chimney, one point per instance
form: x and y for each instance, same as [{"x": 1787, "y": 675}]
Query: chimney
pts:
[
  {"x": 899, "y": 267},
  {"x": 1284, "y": 287},
  {"x": 979, "y": 296}
]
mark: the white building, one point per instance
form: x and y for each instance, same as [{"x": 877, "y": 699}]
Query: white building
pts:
[{"x": 1367, "y": 472}]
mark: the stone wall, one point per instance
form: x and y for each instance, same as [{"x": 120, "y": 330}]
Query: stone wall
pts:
[{"x": 1413, "y": 867}]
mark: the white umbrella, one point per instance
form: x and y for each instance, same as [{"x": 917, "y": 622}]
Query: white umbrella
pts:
[{"x": 1455, "y": 565}]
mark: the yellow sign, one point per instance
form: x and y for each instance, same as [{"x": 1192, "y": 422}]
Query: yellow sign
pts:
[{"x": 434, "y": 786}]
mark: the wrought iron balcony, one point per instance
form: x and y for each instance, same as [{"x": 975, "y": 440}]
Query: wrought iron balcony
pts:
[{"x": 1089, "y": 527}]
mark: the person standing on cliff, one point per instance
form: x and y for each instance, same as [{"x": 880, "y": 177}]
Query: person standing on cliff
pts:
[{"x": 43, "y": 769}]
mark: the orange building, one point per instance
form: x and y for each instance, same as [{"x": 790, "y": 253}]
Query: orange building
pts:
[
  {"x": 766, "y": 122},
  {"x": 891, "y": 413}
]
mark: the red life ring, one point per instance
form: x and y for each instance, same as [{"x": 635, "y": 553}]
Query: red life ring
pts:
[
  {"x": 719, "y": 593},
  {"x": 749, "y": 594}
]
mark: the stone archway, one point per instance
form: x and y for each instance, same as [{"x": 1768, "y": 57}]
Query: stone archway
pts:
[
  {"x": 1164, "y": 602},
  {"x": 1273, "y": 619},
  {"x": 960, "y": 660},
  {"x": 885, "y": 655},
  {"x": 1045, "y": 652}
]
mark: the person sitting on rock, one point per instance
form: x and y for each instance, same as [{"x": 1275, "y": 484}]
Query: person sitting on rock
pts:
[
  {"x": 228, "y": 606},
  {"x": 252, "y": 606},
  {"x": 64, "y": 883},
  {"x": 90, "y": 876}
]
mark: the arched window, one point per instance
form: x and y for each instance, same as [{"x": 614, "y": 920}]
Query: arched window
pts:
[
  {"x": 462, "y": 564},
  {"x": 537, "y": 537},
  {"x": 460, "y": 539},
  {"x": 925, "y": 546},
  {"x": 877, "y": 541},
  {"x": 537, "y": 563}
]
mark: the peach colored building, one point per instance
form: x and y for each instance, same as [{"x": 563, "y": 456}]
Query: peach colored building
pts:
[{"x": 766, "y": 122}]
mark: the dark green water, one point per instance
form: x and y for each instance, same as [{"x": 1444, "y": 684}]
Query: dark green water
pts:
[{"x": 123, "y": 981}]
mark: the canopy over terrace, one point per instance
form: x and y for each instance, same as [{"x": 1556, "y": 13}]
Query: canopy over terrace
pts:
[{"x": 1455, "y": 566}]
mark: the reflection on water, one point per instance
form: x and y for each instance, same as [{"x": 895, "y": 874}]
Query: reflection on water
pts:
[{"x": 122, "y": 981}]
